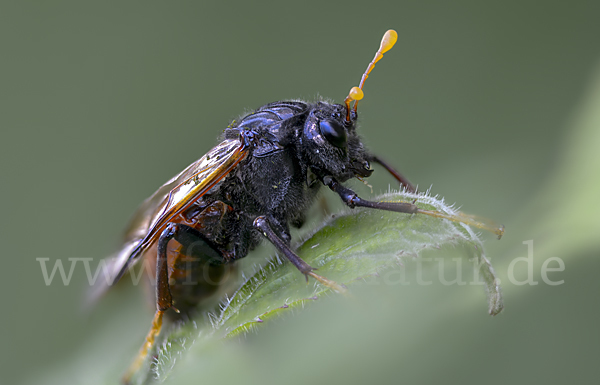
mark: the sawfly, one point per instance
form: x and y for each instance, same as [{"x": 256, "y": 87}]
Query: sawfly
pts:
[{"x": 259, "y": 180}]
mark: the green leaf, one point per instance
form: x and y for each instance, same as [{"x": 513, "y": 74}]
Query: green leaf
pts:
[{"x": 348, "y": 248}]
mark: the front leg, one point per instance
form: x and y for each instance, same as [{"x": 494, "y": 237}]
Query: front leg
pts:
[
  {"x": 399, "y": 177},
  {"x": 262, "y": 224},
  {"x": 352, "y": 200}
]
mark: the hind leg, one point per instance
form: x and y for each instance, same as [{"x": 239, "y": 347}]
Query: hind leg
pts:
[{"x": 189, "y": 238}]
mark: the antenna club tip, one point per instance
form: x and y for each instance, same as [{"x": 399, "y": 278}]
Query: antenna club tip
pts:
[
  {"x": 356, "y": 93},
  {"x": 389, "y": 39}
]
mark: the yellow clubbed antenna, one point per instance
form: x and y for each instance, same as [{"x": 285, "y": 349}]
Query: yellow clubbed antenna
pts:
[{"x": 356, "y": 93}]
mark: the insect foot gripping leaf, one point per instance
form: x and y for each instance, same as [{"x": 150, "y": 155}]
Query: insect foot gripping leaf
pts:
[{"x": 348, "y": 248}]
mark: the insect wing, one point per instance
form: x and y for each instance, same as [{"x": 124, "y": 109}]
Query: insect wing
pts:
[
  {"x": 172, "y": 197},
  {"x": 168, "y": 201}
]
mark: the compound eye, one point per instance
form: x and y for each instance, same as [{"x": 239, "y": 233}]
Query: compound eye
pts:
[{"x": 333, "y": 132}]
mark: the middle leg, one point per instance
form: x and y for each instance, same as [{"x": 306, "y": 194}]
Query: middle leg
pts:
[{"x": 262, "y": 224}]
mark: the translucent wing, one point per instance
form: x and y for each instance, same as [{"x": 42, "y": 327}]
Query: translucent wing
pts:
[{"x": 171, "y": 199}]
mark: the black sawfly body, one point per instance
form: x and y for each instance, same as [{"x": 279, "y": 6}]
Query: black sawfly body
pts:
[{"x": 258, "y": 181}]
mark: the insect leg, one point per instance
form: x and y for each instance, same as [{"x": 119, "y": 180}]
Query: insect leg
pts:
[
  {"x": 189, "y": 237},
  {"x": 262, "y": 224},
  {"x": 352, "y": 200},
  {"x": 143, "y": 353},
  {"x": 164, "y": 301},
  {"x": 399, "y": 177}
]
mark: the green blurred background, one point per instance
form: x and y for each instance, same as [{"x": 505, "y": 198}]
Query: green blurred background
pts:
[{"x": 487, "y": 102}]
